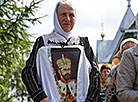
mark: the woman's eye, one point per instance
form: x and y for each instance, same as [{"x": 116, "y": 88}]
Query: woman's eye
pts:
[
  {"x": 63, "y": 15},
  {"x": 71, "y": 15}
]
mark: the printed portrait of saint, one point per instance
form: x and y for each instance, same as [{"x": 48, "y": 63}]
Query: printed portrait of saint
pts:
[{"x": 65, "y": 67}]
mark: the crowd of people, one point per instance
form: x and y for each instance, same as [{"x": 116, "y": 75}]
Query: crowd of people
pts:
[{"x": 63, "y": 68}]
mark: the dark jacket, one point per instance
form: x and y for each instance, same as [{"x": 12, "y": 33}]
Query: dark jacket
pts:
[{"x": 111, "y": 86}]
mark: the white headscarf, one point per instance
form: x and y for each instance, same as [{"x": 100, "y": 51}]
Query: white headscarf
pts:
[
  {"x": 126, "y": 41},
  {"x": 57, "y": 28}
]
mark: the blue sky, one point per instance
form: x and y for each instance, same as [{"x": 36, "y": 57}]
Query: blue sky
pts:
[{"x": 91, "y": 14}]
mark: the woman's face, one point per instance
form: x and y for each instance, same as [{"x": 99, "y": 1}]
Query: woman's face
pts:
[
  {"x": 104, "y": 73},
  {"x": 66, "y": 16}
]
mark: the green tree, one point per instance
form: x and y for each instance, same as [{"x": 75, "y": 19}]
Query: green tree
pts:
[{"x": 14, "y": 46}]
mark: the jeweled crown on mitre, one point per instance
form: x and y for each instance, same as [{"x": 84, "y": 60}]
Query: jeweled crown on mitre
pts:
[{"x": 63, "y": 62}]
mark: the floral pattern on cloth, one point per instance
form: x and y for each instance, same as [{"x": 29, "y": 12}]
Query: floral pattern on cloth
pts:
[{"x": 110, "y": 92}]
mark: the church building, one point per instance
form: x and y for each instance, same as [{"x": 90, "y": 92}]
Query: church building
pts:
[{"x": 106, "y": 49}]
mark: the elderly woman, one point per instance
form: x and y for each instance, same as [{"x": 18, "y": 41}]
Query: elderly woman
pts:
[
  {"x": 127, "y": 83},
  {"x": 126, "y": 44},
  {"x": 112, "y": 77},
  {"x": 40, "y": 82}
]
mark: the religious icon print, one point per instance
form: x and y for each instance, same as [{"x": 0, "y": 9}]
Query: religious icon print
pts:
[{"x": 65, "y": 67}]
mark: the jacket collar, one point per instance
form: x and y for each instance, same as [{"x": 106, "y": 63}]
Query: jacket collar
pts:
[{"x": 73, "y": 40}]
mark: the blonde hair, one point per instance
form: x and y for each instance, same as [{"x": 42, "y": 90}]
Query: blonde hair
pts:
[{"x": 105, "y": 66}]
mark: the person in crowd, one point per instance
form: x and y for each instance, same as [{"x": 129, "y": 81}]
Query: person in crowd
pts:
[
  {"x": 126, "y": 44},
  {"x": 112, "y": 77},
  {"x": 41, "y": 75},
  {"x": 104, "y": 71},
  {"x": 127, "y": 75}
]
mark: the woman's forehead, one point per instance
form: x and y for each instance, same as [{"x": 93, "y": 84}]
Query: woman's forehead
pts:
[{"x": 63, "y": 7}]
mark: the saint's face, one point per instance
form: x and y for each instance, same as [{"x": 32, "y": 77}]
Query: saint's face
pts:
[
  {"x": 66, "y": 16},
  {"x": 65, "y": 73}
]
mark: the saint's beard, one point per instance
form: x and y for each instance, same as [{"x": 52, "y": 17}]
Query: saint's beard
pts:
[{"x": 67, "y": 76}]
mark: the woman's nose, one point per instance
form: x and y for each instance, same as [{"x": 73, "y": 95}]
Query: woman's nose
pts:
[{"x": 68, "y": 18}]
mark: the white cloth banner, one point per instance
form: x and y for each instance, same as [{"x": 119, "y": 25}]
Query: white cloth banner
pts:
[{"x": 47, "y": 79}]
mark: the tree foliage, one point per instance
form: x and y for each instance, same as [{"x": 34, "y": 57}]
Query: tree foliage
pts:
[{"x": 14, "y": 46}]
